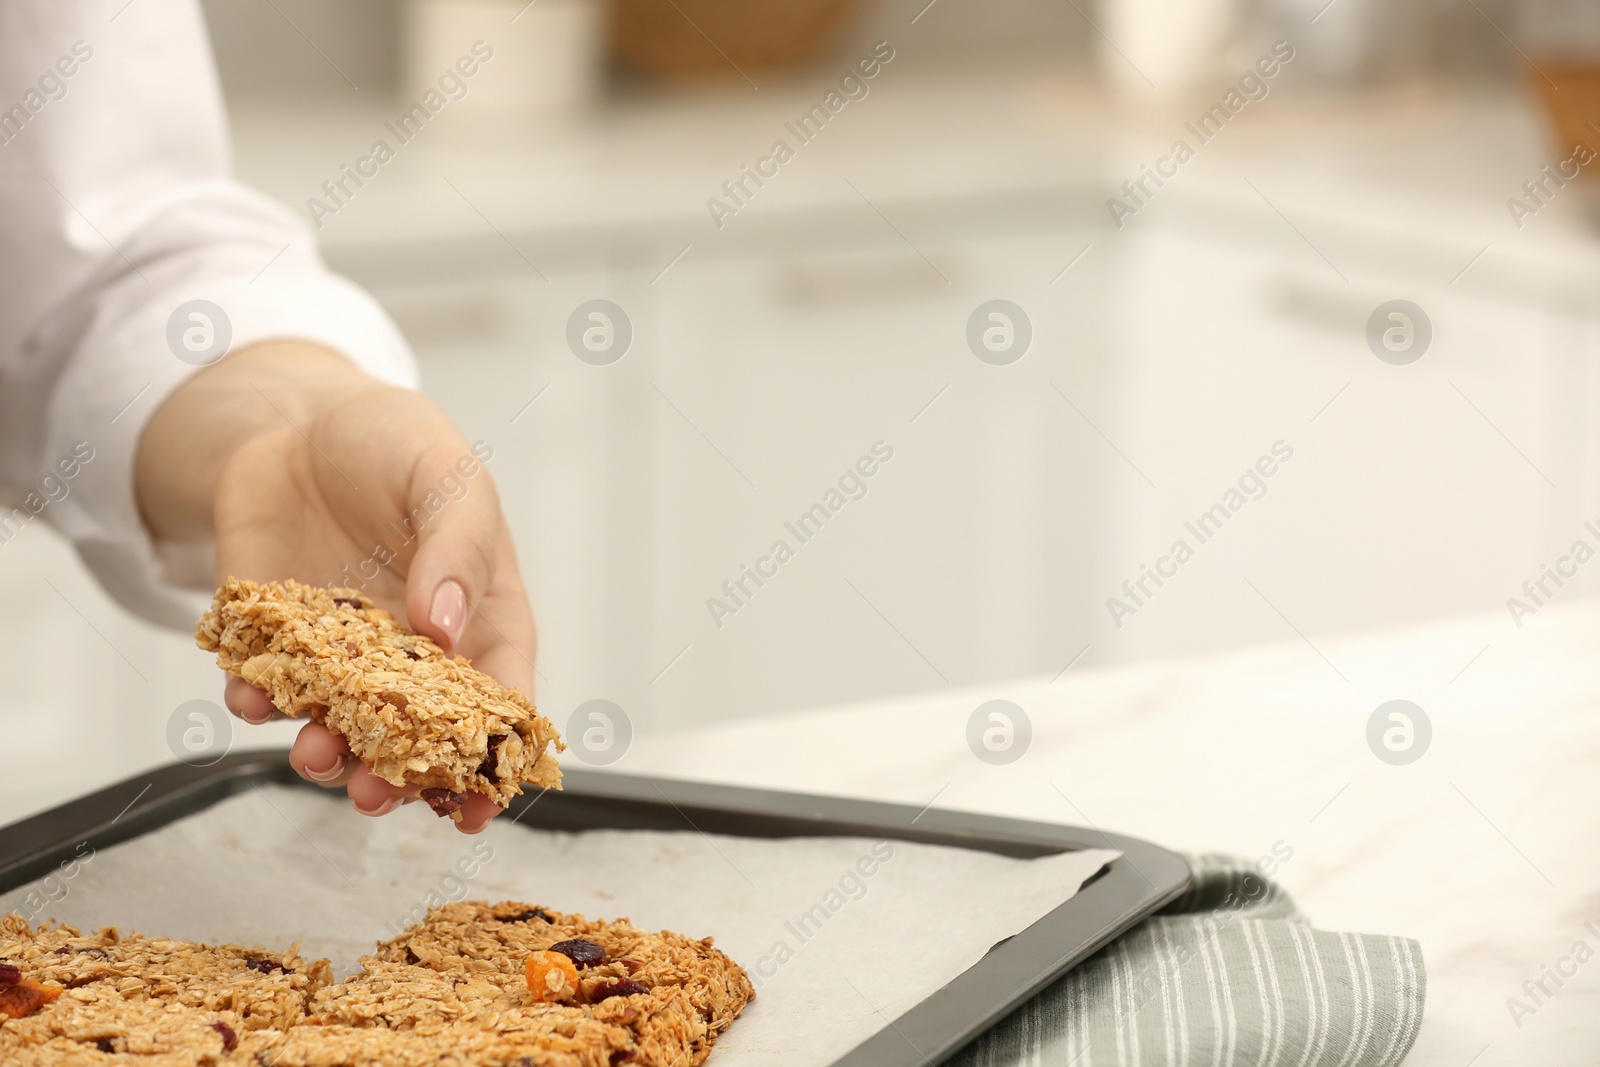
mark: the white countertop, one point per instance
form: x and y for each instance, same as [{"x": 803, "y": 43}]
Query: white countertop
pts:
[
  {"x": 1485, "y": 849},
  {"x": 1419, "y": 159}
]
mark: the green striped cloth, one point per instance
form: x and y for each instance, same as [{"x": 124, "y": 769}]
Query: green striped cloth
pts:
[{"x": 1229, "y": 974}]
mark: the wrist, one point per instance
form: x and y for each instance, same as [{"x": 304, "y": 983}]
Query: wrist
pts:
[{"x": 267, "y": 387}]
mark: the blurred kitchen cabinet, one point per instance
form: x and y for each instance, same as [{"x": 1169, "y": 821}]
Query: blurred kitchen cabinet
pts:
[
  {"x": 1414, "y": 490},
  {"x": 969, "y": 556}
]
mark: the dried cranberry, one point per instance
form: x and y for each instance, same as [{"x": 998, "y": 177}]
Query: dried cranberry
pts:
[
  {"x": 230, "y": 1040},
  {"x": 524, "y": 916},
  {"x": 621, "y": 1055},
  {"x": 443, "y": 802},
  {"x": 615, "y": 987},
  {"x": 63, "y": 951},
  {"x": 583, "y": 954},
  {"x": 10, "y": 974},
  {"x": 350, "y": 647},
  {"x": 349, "y": 601},
  {"x": 486, "y": 768},
  {"x": 104, "y": 1045}
]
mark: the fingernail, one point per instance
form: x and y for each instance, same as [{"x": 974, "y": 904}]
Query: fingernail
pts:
[
  {"x": 256, "y": 720},
  {"x": 383, "y": 809},
  {"x": 482, "y": 826},
  {"x": 449, "y": 611},
  {"x": 330, "y": 773}
]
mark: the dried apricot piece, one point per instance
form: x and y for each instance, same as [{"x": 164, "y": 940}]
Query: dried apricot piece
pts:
[
  {"x": 552, "y": 977},
  {"x": 20, "y": 999}
]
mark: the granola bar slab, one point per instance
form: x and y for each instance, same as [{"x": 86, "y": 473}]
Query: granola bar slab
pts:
[
  {"x": 452, "y": 991},
  {"x": 415, "y": 715},
  {"x": 674, "y": 994},
  {"x": 150, "y": 1000}
]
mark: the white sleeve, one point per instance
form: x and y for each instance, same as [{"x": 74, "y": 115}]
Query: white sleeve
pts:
[{"x": 116, "y": 211}]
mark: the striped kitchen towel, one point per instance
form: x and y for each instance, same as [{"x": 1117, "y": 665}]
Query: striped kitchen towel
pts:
[{"x": 1230, "y": 973}]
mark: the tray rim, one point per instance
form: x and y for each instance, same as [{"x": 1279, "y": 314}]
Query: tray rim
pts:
[{"x": 1128, "y": 890}]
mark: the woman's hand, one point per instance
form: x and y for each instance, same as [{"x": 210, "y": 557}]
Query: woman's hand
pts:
[{"x": 302, "y": 467}]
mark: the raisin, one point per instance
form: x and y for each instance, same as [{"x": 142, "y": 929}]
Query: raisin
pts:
[
  {"x": 411, "y": 957},
  {"x": 349, "y": 601},
  {"x": 266, "y": 966},
  {"x": 350, "y": 647},
  {"x": 443, "y": 802},
  {"x": 583, "y": 954},
  {"x": 10, "y": 974},
  {"x": 615, "y": 987},
  {"x": 621, "y": 1055},
  {"x": 389, "y": 696},
  {"x": 230, "y": 1040},
  {"x": 486, "y": 768},
  {"x": 524, "y": 916},
  {"x": 410, "y": 654},
  {"x": 104, "y": 1045},
  {"x": 63, "y": 951},
  {"x": 632, "y": 966}
]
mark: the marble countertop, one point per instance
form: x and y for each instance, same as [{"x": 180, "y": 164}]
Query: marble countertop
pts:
[{"x": 1484, "y": 849}]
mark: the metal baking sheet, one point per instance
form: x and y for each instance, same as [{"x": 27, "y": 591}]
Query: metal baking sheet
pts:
[{"x": 1144, "y": 879}]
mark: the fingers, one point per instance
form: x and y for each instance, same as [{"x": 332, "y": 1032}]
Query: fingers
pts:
[
  {"x": 458, "y": 549},
  {"x": 502, "y": 640},
  {"x": 322, "y": 756},
  {"x": 319, "y": 755},
  {"x": 476, "y": 812},
  {"x": 372, "y": 795},
  {"x": 246, "y": 701}
]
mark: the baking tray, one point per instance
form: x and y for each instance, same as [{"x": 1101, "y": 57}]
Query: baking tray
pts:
[{"x": 1144, "y": 879}]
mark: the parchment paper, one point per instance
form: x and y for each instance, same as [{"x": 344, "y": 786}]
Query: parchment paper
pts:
[{"x": 840, "y": 935}]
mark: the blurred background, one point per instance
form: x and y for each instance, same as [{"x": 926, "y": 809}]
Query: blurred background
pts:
[{"x": 1159, "y": 337}]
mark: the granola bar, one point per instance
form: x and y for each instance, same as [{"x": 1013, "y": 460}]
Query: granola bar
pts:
[
  {"x": 453, "y": 990},
  {"x": 415, "y": 715},
  {"x": 675, "y": 994},
  {"x": 158, "y": 999}
]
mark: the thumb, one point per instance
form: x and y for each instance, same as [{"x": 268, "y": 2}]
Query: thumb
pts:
[{"x": 456, "y": 512}]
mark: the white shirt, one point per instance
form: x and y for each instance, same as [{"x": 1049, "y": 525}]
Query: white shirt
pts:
[{"x": 116, "y": 207}]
